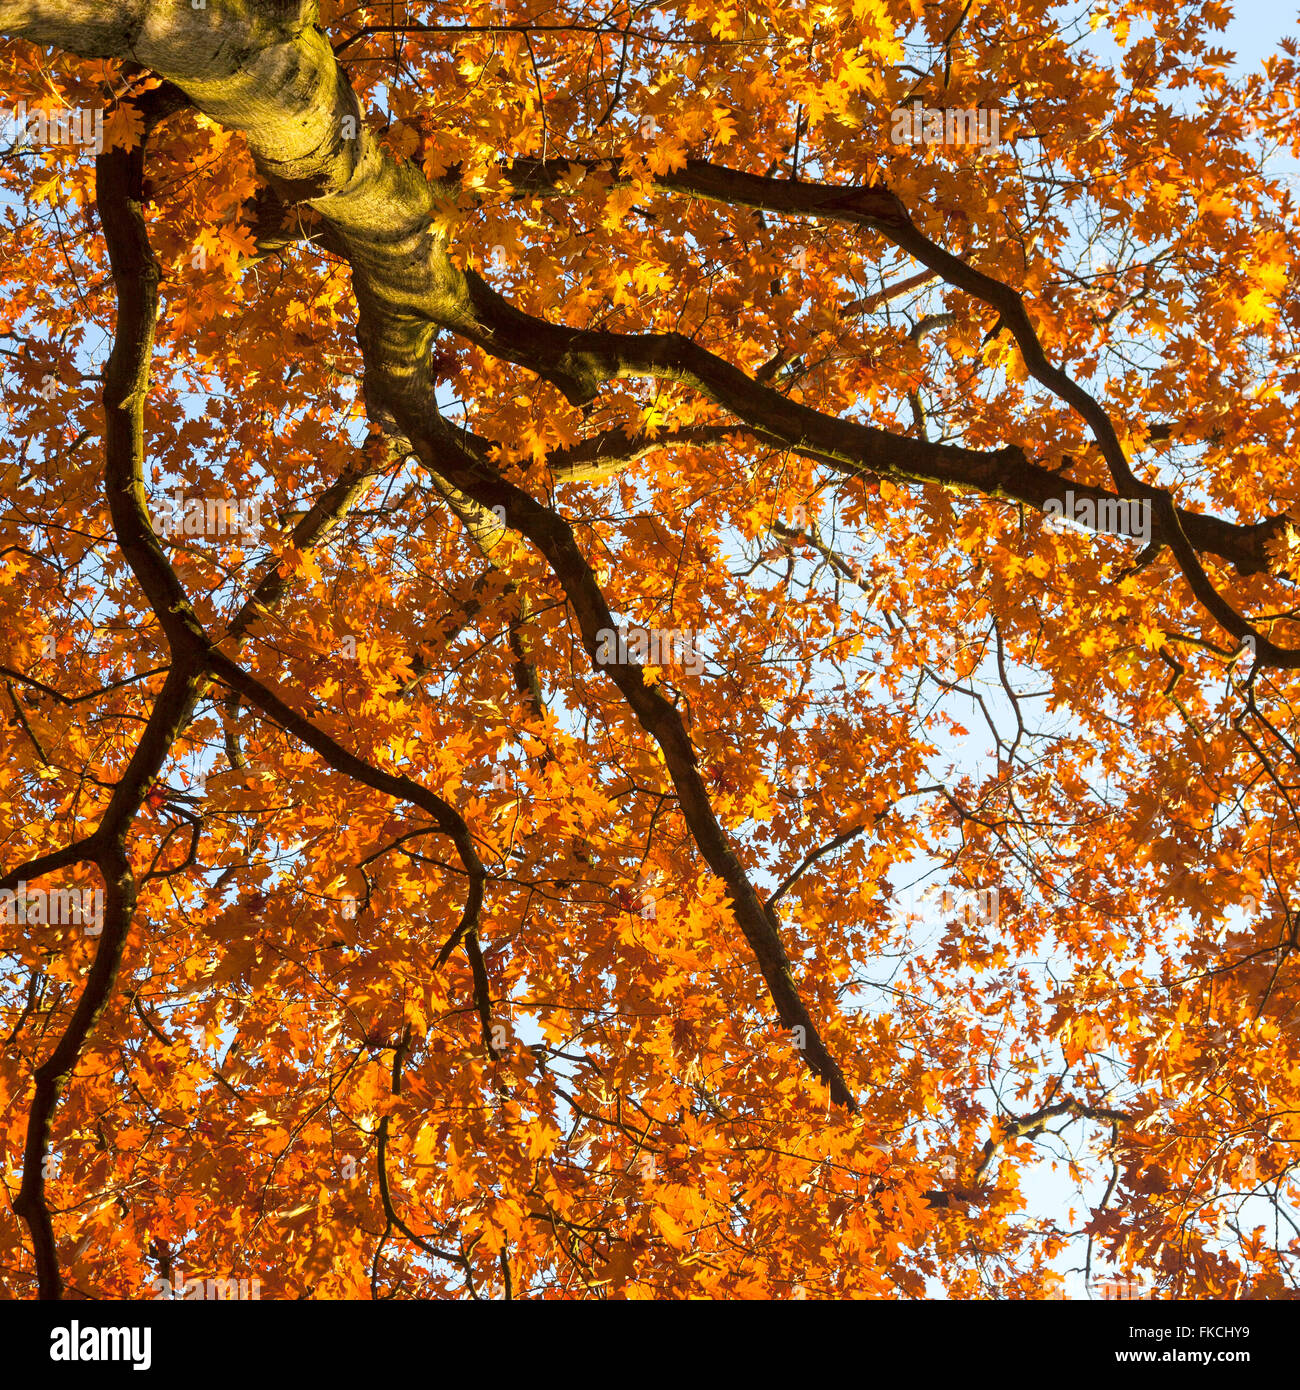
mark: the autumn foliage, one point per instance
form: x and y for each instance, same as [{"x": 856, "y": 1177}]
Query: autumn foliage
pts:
[{"x": 451, "y": 946}]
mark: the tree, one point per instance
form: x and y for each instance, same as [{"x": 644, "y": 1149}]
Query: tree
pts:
[{"x": 506, "y": 508}]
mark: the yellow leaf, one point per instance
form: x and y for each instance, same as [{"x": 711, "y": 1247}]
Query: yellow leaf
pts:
[{"x": 670, "y": 1230}]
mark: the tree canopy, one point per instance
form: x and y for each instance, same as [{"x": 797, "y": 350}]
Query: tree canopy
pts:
[{"x": 648, "y": 650}]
